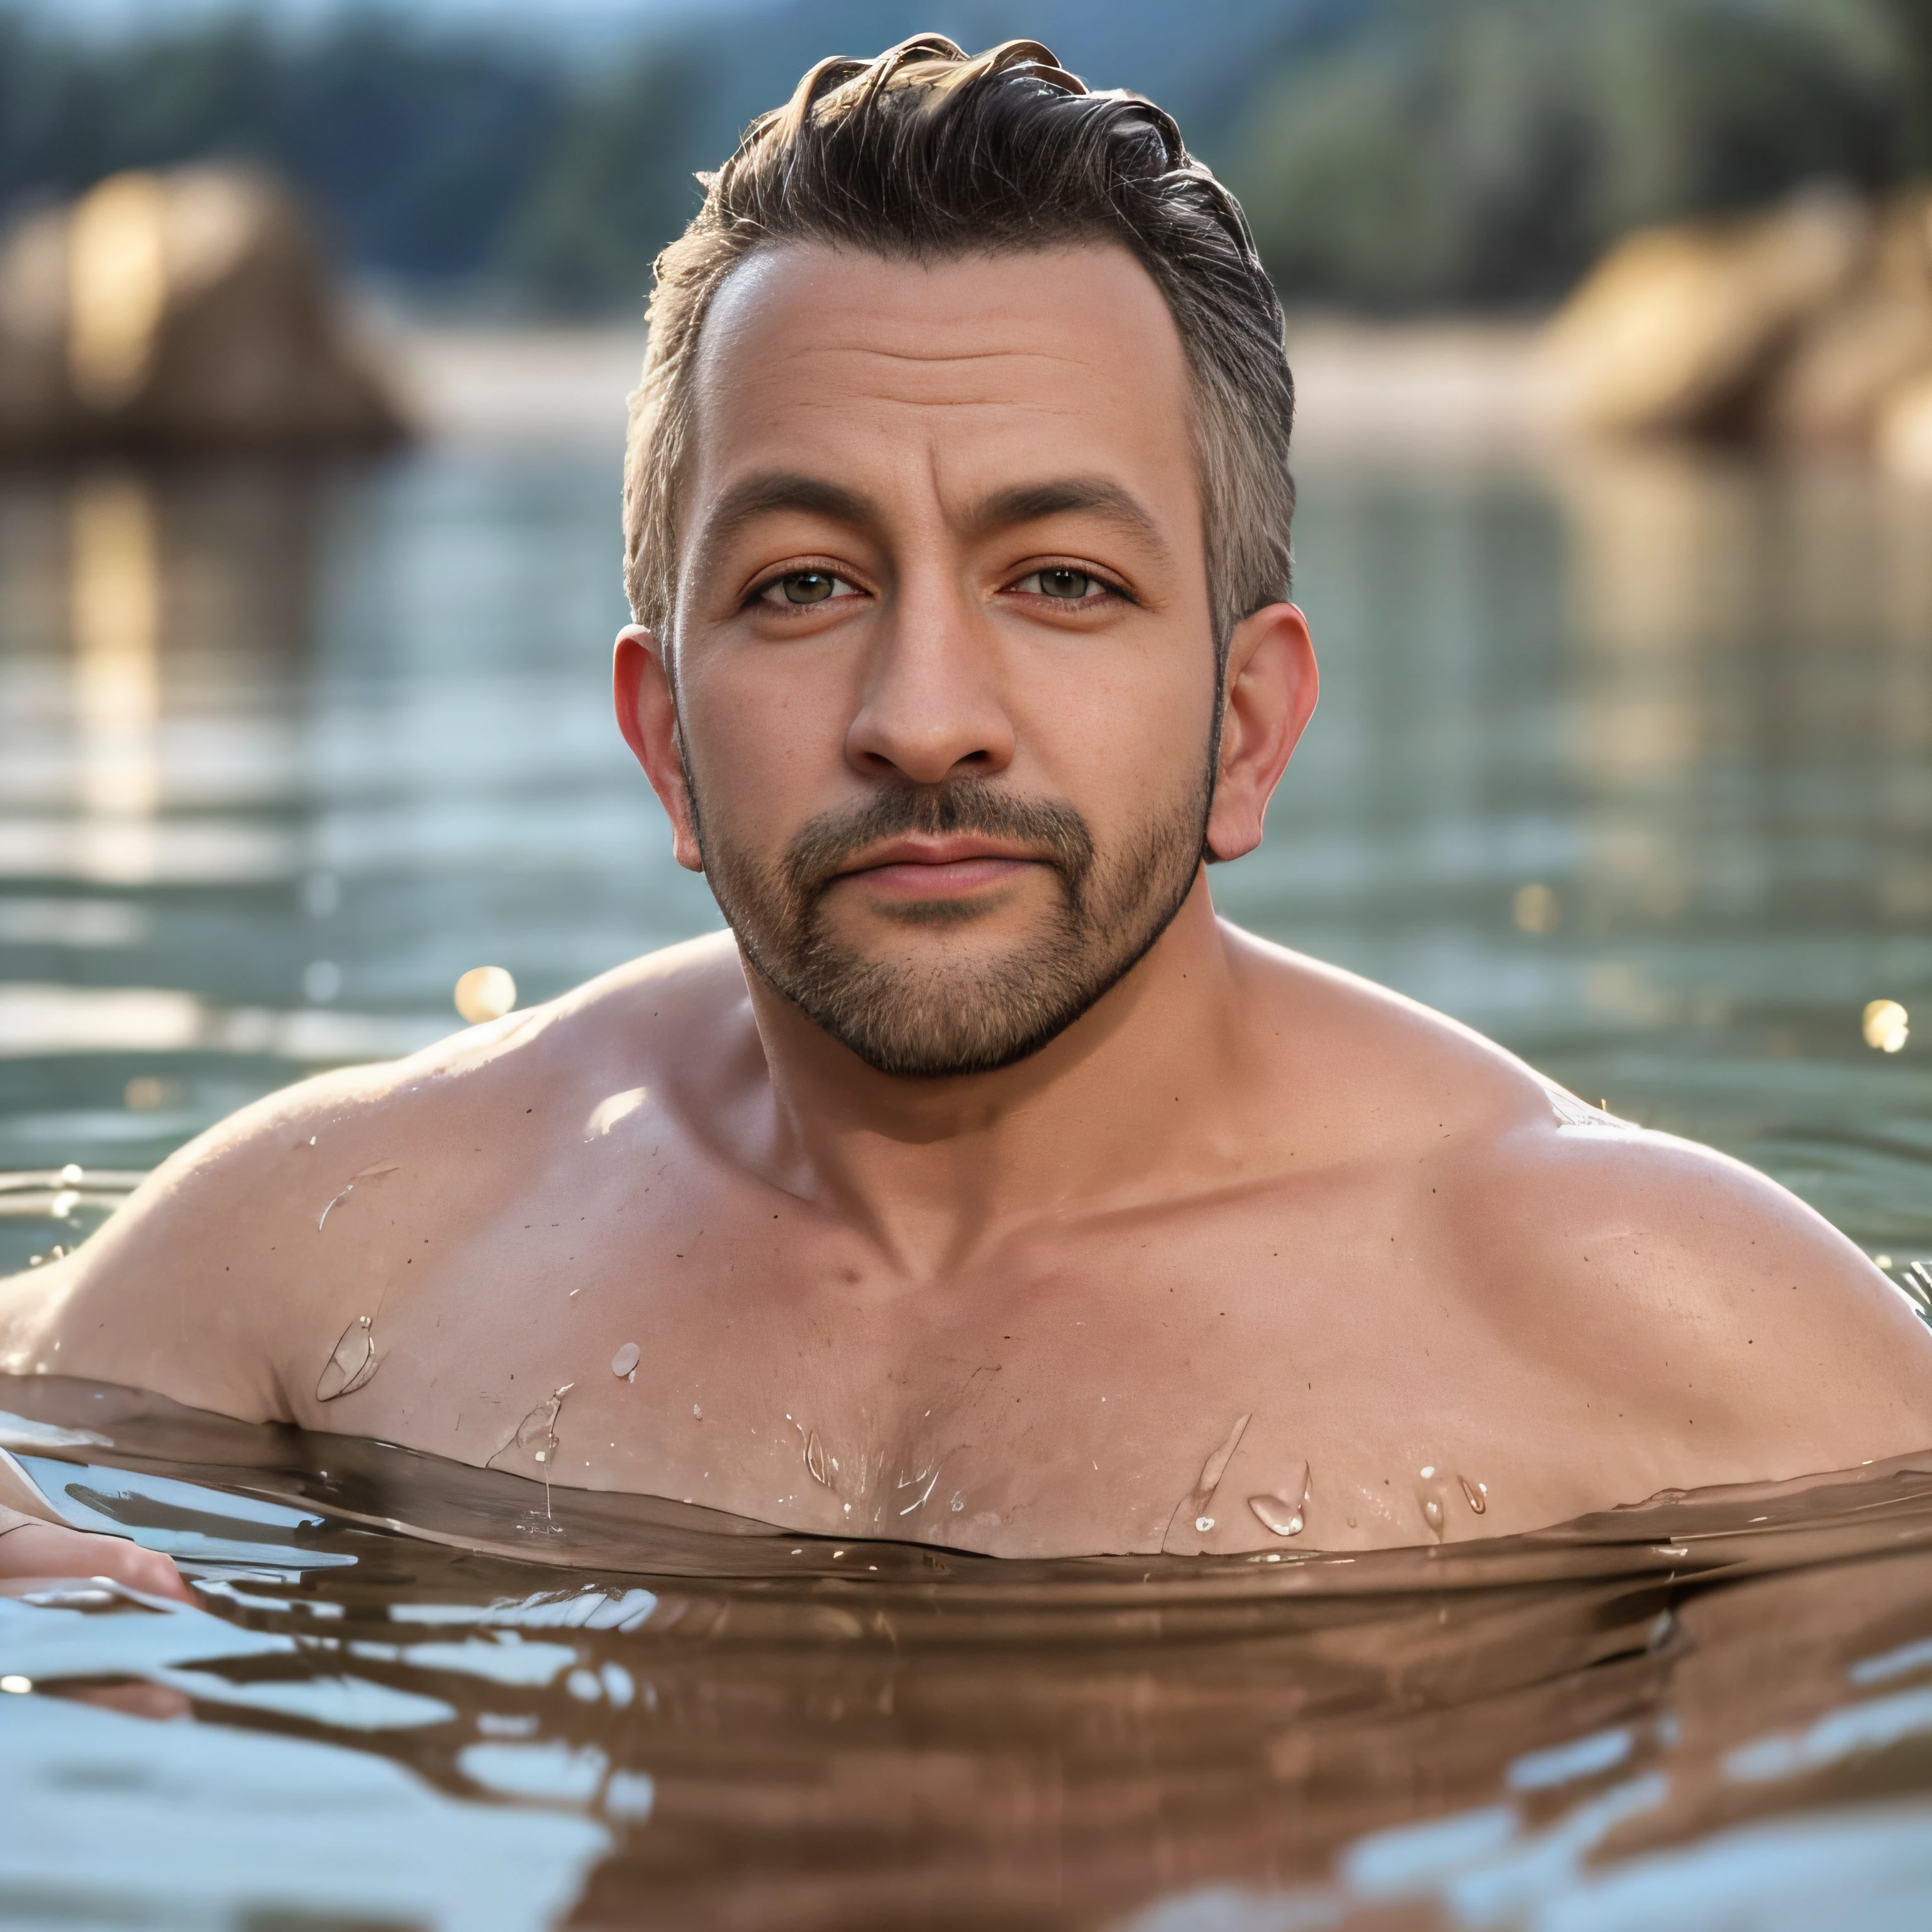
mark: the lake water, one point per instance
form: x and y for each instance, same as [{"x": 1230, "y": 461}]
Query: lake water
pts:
[{"x": 1623, "y": 759}]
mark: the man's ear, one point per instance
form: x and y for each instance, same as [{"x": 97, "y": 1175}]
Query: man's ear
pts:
[
  {"x": 647, "y": 716},
  {"x": 1272, "y": 684}
]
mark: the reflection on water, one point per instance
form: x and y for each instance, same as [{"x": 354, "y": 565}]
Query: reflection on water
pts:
[
  {"x": 116, "y": 591},
  {"x": 1625, "y": 762},
  {"x": 1629, "y": 1723}
]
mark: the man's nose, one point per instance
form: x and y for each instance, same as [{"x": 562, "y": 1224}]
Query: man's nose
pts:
[{"x": 930, "y": 707}]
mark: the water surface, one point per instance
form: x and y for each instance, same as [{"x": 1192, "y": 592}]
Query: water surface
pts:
[{"x": 632, "y": 1712}]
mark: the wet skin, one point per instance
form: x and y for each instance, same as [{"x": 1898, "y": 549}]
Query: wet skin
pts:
[{"x": 1025, "y": 1311}]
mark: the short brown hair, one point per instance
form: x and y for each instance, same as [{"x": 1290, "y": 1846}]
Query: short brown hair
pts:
[{"x": 925, "y": 155}]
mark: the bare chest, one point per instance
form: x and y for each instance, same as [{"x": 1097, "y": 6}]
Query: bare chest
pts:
[{"x": 1269, "y": 1374}]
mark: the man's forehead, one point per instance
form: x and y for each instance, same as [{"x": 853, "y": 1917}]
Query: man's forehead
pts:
[
  {"x": 807, "y": 348},
  {"x": 1059, "y": 302}
]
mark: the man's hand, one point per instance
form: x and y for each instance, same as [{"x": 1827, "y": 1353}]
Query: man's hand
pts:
[{"x": 45, "y": 1550}]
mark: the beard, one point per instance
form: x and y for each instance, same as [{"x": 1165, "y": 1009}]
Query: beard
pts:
[{"x": 932, "y": 1018}]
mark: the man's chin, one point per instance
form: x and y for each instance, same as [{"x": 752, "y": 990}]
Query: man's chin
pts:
[
  {"x": 900, "y": 1055},
  {"x": 942, "y": 1011}
]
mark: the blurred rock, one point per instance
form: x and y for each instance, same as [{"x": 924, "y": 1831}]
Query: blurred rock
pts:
[
  {"x": 1809, "y": 327},
  {"x": 1902, "y": 437},
  {"x": 1864, "y": 348},
  {"x": 1681, "y": 330},
  {"x": 180, "y": 311}
]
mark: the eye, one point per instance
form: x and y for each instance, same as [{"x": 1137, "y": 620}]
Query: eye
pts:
[
  {"x": 1068, "y": 585},
  {"x": 804, "y": 586}
]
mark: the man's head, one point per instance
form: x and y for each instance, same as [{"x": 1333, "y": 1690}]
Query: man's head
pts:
[{"x": 958, "y": 481}]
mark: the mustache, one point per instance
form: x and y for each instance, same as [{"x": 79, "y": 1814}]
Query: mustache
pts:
[{"x": 1053, "y": 832}]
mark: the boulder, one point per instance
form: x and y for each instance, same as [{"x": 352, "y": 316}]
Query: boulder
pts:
[
  {"x": 1681, "y": 330},
  {"x": 1902, "y": 437},
  {"x": 1864, "y": 347},
  {"x": 183, "y": 310}
]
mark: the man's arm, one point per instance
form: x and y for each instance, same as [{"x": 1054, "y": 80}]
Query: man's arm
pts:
[
  {"x": 197, "y": 1286},
  {"x": 191, "y": 1290}
]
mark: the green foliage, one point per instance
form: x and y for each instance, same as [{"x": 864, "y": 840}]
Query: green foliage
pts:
[
  {"x": 616, "y": 184},
  {"x": 415, "y": 148},
  {"x": 1480, "y": 151}
]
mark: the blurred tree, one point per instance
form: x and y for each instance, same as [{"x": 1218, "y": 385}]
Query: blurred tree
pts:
[
  {"x": 617, "y": 184},
  {"x": 422, "y": 147},
  {"x": 1910, "y": 22},
  {"x": 416, "y": 148},
  {"x": 1391, "y": 153},
  {"x": 1484, "y": 151}
]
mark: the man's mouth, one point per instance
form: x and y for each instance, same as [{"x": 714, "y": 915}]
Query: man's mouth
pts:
[{"x": 950, "y": 866}]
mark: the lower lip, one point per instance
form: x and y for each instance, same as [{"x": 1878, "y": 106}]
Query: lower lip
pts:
[{"x": 953, "y": 879}]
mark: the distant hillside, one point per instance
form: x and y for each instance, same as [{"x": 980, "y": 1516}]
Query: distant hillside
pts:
[{"x": 1392, "y": 154}]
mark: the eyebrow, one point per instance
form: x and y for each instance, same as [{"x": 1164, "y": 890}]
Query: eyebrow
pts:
[
  {"x": 1091, "y": 495},
  {"x": 760, "y": 495},
  {"x": 752, "y": 497}
]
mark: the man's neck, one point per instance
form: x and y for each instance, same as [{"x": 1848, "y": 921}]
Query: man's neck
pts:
[{"x": 1117, "y": 1110}]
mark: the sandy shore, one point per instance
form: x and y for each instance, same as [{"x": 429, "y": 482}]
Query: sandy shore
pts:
[{"x": 1455, "y": 391}]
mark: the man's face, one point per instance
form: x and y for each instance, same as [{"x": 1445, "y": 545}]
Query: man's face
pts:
[{"x": 944, "y": 658}]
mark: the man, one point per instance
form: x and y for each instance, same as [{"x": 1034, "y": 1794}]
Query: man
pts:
[{"x": 979, "y": 1187}]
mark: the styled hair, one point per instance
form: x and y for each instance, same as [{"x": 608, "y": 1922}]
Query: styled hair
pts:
[{"x": 925, "y": 155}]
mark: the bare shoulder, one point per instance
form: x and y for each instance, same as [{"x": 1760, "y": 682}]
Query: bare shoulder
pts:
[
  {"x": 1399, "y": 1079},
  {"x": 1727, "y": 1310},
  {"x": 191, "y": 1286},
  {"x": 1679, "y": 1292}
]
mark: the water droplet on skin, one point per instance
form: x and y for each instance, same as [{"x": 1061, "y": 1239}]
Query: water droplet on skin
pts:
[
  {"x": 366, "y": 1173},
  {"x": 1428, "y": 1471},
  {"x": 814, "y": 1461},
  {"x": 536, "y": 1436},
  {"x": 1477, "y": 1494},
  {"x": 625, "y": 1361},
  {"x": 958, "y": 1502},
  {"x": 919, "y": 1501},
  {"x": 1216, "y": 1466},
  {"x": 1432, "y": 1514},
  {"x": 1193, "y": 1506},
  {"x": 354, "y": 1361},
  {"x": 540, "y": 1425},
  {"x": 1283, "y": 1510},
  {"x": 1273, "y": 1515}
]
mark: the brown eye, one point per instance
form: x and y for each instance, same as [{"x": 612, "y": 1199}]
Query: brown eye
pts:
[{"x": 807, "y": 587}]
